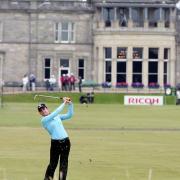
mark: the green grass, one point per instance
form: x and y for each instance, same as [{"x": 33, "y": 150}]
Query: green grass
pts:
[
  {"x": 100, "y": 98},
  {"x": 109, "y": 142}
]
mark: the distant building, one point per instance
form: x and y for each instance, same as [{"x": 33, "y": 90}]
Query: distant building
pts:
[
  {"x": 135, "y": 42},
  {"x": 103, "y": 40}
]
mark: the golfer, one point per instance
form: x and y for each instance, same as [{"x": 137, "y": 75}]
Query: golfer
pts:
[{"x": 60, "y": 143}]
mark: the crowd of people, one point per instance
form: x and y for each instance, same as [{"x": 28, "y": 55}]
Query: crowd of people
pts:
[
  {"x": 50, "y": 83},
  {"x": 65, "y": 83},
  {"x": 29, "y": 82},
  {"x": 68, "y": 82}
]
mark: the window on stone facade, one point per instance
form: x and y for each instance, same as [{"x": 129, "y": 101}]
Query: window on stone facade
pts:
[
  {"x": 137, "y": 17},
  {"x": 123, "y": 16},
  {"x": 108, "y": 71},
  {"x": 47, "y": 68},
  {"x": 166, "y": 53},
  {"x": 64, "y": 32},
  {"x": 108, "y": 16},
  {"x": 137, "y": 53},
  {"x": 1, "y": 31},
  {"x": 137, "y": 65},
  {"x": 81, "y": 68},
  {"x": 166, "y": 12},
  {"x": 166, "y": 70},
  {"x": 153, "y": 72},
  {"x": 121, "y": 53},
  {"x": 153, "y": 53},
  {"x": 56, "y": 32},
  {"x": 108, "y": 53},
  {"x": 71, "y": 31},
  {"x": 137, "y": 71},
  {"x": 153, "y": 16},
  {"x": 121, "y": 71},
  {"x": 64, "y": 63},
  {"x": 108, "y": 63}
]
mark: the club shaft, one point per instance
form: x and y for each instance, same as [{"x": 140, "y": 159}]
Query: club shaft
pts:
[{"x": 53, "y": 97}]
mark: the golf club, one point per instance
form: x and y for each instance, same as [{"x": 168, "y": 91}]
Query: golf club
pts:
[{"x": 40, "y": 95}]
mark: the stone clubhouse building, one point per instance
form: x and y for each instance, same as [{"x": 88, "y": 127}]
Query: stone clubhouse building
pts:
[{"x": 114, "y": 41}]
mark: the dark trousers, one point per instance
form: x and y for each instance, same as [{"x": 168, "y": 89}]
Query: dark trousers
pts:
[
  {"x": 59, "y": 149},
  {"x": 72, "y": 86}
]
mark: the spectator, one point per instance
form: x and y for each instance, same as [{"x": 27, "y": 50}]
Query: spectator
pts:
[
  {"x": 67, "y": 82},
  {"x": 59, "y": 83},
  {"x": 63, "y": 82},
  {"x": 72, "y": 80},
  {"x": 80, "y": 84},
  {"x": 25, "y": 81},
  {"x": 52, "y": 82},
  {"x": 32, "y": 82},
  {"x": 47, "y": 84}
]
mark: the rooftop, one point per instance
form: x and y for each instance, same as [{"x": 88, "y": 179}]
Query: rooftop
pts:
[{"x": 79, "y": 5}]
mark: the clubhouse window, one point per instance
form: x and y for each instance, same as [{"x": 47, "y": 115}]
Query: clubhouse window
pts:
[
  {"x": 121, "y": 71},
  {"x": 108, "y": 53},
  {"x": 138, "y": 17},
  {"x": 137, "y": 71},
  {"x": 64, "y": 63},
  {"x": 64, "y": 32},
  {"x": 153, "y": 53},
  {"x": 47, "y": 68},
  {"x": 153, "y": 17},
  {"x": 137, "y": 53},
  {"x": 108, "y": 64},
  {"x": 121, "y": 53},
  {"x": 166, "y": 53},
  {"x": 123, "y": 16},
  {"x": 108, "y": 16},
  {"x": 166, "y": 12},
  {"x": 1, "y": 31},
  {"x": 153, "y": 72},
  {"x": 108, "y": 71},
  {"x": 165, "y": 72},
  {"x": 81, "y": 68},
  {"x": 166, "y": 65}
]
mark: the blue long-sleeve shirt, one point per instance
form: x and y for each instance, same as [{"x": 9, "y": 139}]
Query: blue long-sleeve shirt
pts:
[{"x": 53, "y": 122}]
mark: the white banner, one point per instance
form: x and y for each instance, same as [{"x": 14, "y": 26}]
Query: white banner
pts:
[{"x": 143, "y": 100}]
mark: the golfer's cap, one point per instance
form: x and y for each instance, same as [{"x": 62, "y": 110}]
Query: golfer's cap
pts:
[{"x": 41, "y": 106}]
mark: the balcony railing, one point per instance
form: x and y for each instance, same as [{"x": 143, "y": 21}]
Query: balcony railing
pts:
[{"x": 162, "y": 26}]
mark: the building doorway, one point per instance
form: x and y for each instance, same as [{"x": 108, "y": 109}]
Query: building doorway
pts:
[{"x": 63, "y": 69}]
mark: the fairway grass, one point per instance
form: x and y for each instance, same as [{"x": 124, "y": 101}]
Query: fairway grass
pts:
[{"x": 109, "y": 142}]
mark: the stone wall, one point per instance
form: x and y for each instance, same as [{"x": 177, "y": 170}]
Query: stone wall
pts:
[{"x": 29, "y": 36}]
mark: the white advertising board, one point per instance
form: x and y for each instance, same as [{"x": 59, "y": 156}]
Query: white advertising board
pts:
[{"x": 143, "y": 100}]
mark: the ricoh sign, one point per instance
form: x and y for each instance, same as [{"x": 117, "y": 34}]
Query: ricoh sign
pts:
[{"x": 143, "y": 100}]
